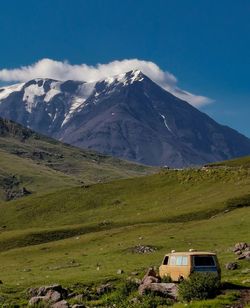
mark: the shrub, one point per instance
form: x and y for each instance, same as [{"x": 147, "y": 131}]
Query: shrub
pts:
[
  {"x": 121, "y": 294},
  {"x": 153, "y": 301},
  {"x": 166, "y": 279},
  {"x": 128, "y": 287},
  {"x": 199, "y": 286}
]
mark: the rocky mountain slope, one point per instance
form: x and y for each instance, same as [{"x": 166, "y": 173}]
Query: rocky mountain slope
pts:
[
  {"x": 127, "y": 116},
  {"x": 32, "y": 163}
]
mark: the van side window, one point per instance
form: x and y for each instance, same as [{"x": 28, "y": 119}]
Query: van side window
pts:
[
  {"x": 184, "y": 260},
  {"x": 165, "y": 261},
  {"x": 172, "y": 260},
  {"x": 179, "y": 260},
  {"x": 204, "y": 261}
]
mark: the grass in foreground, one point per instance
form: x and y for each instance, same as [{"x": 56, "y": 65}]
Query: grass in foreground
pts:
[{"x": 84, "y": 235}]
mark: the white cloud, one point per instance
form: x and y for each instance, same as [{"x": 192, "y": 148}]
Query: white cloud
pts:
[{"x": 47, "y": 68}]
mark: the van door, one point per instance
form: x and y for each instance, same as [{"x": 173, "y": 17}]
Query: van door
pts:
[{"x": 179, "y": 267}]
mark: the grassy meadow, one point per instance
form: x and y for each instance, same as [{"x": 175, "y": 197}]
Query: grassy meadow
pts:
[{"x": 83, "y": 235}]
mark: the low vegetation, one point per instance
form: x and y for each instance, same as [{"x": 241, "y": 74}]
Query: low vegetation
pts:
[
  {"x": 82, "y": 234},
  {"x": 199, "y": 286},
  {"x": 40, "y": 164}
]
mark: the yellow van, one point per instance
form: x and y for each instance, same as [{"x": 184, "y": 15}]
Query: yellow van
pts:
[{"x": 179, "y": 265}]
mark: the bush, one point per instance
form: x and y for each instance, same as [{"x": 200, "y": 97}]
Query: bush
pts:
[
  {"x": 199, "y": 286},
  {"x": 127, "y": 288},
  {"x": 153, "y": 301},
  {"x": 121, "y": 294},
  {"x": 167, "y": 279}
]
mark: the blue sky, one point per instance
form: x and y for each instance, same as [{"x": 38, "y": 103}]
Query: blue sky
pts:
[{"x": 205, "y": 44}]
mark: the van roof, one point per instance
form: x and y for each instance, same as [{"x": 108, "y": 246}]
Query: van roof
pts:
[{"x": 191, "y": 253}]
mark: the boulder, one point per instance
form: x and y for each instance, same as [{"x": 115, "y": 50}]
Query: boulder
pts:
[
  {"x": 104, "y": 288},
  {"x": 36, "y": 300},
  {"x": 61, "y": 304},
  {"x": 120, "y": 271},
  {"x": 150, "y": 273},
  {"x": 150, "y": 279},
  {"x": 244, "y": 255},
  {"x": 53, "y": 296},
  {"x": 42, "y": 291},
  {"x": 231, "y": 266},
  {"x": 48, "y": 294},
  {"x": 240, "y": 246},
  {"x": 163, "y": 289},
  {"x": 238, "y": 252}
]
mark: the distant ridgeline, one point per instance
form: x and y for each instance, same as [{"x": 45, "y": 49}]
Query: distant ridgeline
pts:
[{"x": 126, "y": 116}]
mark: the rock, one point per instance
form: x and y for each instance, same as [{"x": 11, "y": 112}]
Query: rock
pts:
[
  {"x": 231, "y": 266},
  {"x": 150, "y": 272},
  {"x": 135, "y": 280},
  {"x": 71, "y": 295},
  {"x": 53, "y": 296},
  {"x": 244, "y": 255},
  {"x": 238, "y": 252},
  {"x": 104, "y": 288},
  {"x": 61, "y": 304},
  {"x": 78, "y": 306},
  {"x": 42, "y": 291},
  {"x": 150, "y": 279},
  {"x": 32, "y": 292},
  {"x": 246, "y": 281},
  {"x": 36, "y": 300},
  {"x": 79, "y": 297},
  {"x": 163, "y": 289},
  {"x": 135, "y": 273},
  {"x": 120, "y": 271},
  {"x": 134, "y": 300},
  {"x": 240, "y": 246},
  {"x": 143, "y": 249}
]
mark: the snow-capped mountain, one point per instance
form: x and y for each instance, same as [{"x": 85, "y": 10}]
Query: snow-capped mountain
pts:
[{"x": 128, "y": 116}]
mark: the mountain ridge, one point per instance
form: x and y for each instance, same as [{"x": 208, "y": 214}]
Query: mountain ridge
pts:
[{"x": 126, "y": 116}]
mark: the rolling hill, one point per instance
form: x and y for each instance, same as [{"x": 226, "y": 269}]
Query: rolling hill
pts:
[
  {"x": 38, "y": 163},
  {"x": 83, "y": 235}
]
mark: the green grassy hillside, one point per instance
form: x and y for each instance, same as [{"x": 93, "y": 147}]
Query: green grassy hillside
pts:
[
  {"x": 42, "y": 164},
  {"x": 243, "y": 162},
  {"x": 82, "y": 221},
  {"x": 85, "y": 234}
]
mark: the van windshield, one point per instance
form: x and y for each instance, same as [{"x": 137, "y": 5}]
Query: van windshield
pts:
[{"x": 204, "y": 261}]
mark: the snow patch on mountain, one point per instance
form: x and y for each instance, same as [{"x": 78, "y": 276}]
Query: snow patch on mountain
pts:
[
  {"x": 78, "y": 101},
  {"x": 125, "y": 78},
  {"x": 165, "y": 122},
  {"x": 54, "y": 90},
  {"x": 30, "y": 96},
  {"x": 6, "y": 91}
]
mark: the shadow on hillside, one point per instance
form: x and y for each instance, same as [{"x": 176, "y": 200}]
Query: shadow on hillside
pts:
[{"x": 233, "y": 286}]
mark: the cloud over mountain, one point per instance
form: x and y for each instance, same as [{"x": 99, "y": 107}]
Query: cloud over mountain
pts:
[{"x": 48, "y": 68}]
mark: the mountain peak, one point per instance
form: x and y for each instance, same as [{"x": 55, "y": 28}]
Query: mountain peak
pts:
[
  {"x": 125, "y": 79},
  {"x": 135, "y": 75}
]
